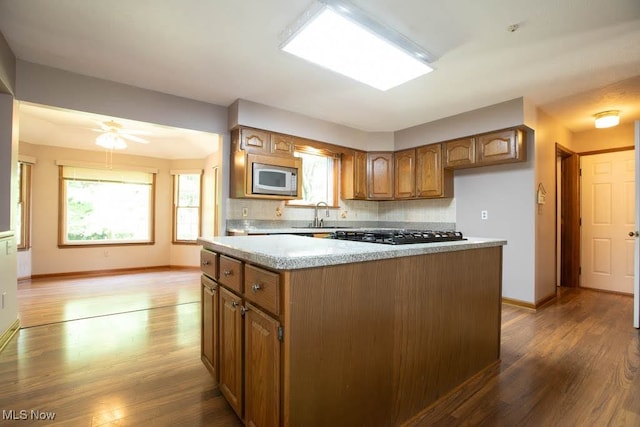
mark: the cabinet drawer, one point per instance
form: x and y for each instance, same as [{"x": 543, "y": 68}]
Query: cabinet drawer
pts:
[
  {"x": 230, "y": 273},
  {"x": 209, "y": 263},
  {"x": 262, "y": 287},
  {"x": 208, "y": 283}
]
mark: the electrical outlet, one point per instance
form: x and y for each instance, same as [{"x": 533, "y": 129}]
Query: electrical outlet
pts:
[
  {"x": 484, "y": 215},
  {"x": 245, "y": 212}
]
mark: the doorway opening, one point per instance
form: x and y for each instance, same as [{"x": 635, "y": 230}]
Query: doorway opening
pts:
[{"x": 567, "y": 217}]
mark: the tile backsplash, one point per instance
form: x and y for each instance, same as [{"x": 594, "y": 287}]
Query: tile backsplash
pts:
[{"x": 418, "y": 211}]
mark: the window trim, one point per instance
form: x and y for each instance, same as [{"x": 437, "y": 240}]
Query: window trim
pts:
[
  {"x": 24, "y": 198},
  {"x": 174, "y": 206},
  {"x": 62, "y": 204},
  {"x": 320, "y": 149}
]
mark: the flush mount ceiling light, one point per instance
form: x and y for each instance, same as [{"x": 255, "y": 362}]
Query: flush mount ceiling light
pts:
[
  {"x": 607, "y": 119},
  {"x": 337, "y": 35}
]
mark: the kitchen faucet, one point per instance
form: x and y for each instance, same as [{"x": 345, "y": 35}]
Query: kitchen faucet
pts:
[{"x": 318, "y": 222}]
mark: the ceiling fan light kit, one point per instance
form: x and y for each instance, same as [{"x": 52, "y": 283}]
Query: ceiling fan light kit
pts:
[
  {"x": 111, "y": 141},
  {"x": 113, "y": 136}
]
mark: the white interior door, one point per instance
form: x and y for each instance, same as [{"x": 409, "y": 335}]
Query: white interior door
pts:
[
  {"x": 608, "y": 217},
  {"x": 636, "y": 282}
]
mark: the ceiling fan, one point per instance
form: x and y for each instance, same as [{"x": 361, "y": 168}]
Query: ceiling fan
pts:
[{"x": 112, "y": 135}]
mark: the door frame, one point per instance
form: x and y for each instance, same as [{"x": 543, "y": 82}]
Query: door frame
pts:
[
  {"x": 636, "y": 284},
  {"x": 569, "y": 221}
]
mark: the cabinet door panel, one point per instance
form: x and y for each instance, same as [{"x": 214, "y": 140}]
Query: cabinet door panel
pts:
[
  {"x": 254, "y": 140},
  {"x": 429, "y": 171},
  {"x": 405, "y": 178},
  {"x": 460, "y": 153},
  {"x": 262, "y": 367},
  {"x": 282, "y": 144},
  {"x": 380, "y": 175},
  {"x": 209, "y": 338},
  {"x": 353, "y": 176},
  {"x": 500, "y": 147},
  {"x": 231, "y": 349}
]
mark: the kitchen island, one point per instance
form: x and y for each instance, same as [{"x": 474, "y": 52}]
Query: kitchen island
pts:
[{"x": 313, "y": 332}]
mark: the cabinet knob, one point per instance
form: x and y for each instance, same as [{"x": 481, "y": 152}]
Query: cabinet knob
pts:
[
  {"x": 633, "y": 234},
  {"x": 235, "y": 304},
  {"x": 256, "y": 287},
  {"x": 206, "y": 262},
  {"x": 243, "y": 310},
  {"x": 227, "y": 273}
]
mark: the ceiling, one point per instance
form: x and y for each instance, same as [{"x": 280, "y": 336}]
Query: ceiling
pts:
[{"x": 571, "y": 58}]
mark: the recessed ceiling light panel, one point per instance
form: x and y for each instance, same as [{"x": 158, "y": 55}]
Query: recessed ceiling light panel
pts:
[{"x": 338, "y": 36}]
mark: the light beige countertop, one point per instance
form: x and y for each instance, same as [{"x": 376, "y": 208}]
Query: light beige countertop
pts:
[{"x": 291, "y": 252}]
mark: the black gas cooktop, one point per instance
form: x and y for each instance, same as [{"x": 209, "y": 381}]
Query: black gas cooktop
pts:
[{"x": 398, "y": 237}]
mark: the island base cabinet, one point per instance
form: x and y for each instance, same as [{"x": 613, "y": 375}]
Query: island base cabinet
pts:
[
  {"x": 262, "y": 369},
  {"x": 231, "y": 349},
  {"x": 376, "y": 343}
]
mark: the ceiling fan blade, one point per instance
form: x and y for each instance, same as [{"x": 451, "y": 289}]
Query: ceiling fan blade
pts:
[
  {"x": 103, "y": 126},
  {"x": 133, "y": 138}
]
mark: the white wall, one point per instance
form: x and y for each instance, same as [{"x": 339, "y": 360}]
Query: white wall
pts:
[
  {"x": 505, "y": 191},
  {"x": 7, "y": 167},
  {"x": 8, "y": 199},
  {"x": 51, "y": 86},
  {"x": 603, "y": 139},
  {"x": 7, "y": 67},
  {"x": 47, "y": 258},
  {"x": 548, "y": 132},
  {"x": 247, "y": 113},
  {"x": 499, "y": 116}
]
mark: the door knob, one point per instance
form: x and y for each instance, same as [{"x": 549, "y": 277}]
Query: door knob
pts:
[{"x": 633, "y": 234}]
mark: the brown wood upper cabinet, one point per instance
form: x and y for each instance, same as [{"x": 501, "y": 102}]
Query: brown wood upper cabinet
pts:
[
  {"x": 405, "y": 174},
  {"x": 432, "y": 180},
  {"x": 500, "y": 147},
  {"x": 249, "y": 145},
  {"x": 460, "y": 153},
  {"x": 380, "y": 175},
  {"x": 505, "y": 146},
  {"x": 264, "y": 142},
  {"x": 282, "y": 145},
  {"x": 419, "y": 173},
  {"x": 353, "y": 175}
]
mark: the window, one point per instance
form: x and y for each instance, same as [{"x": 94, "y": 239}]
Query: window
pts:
[
  {"x": 186, "y": 205},
  {"x": 23, "y": 226},
  {"x": 102, "y": 206},
  {"x": 319, "y": 176}
]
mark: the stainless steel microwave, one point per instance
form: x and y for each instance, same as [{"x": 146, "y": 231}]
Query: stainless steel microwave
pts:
[{"x": 274, "y": 180}]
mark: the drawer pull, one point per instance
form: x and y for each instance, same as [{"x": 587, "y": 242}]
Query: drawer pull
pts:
[
  {"x": 256, "y": 287},
  {"x": 227, "y": 273},
  {"x": 206, "y": 262}
]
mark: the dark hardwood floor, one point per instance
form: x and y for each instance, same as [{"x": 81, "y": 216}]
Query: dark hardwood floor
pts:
[{"x": 574, "y": 363}]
